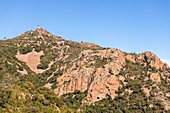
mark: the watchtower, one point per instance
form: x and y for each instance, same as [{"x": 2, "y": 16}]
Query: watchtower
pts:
[{"x": 39, "y": 27}]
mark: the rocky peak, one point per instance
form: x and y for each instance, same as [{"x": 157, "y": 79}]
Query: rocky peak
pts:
[
  {"x": 153, "y": 60},
  {"x": 42, "y": 31},
  {"x": 147, "y": 58}
]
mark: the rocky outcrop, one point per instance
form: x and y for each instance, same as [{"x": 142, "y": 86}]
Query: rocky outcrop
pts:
[
  {"x": 147, "y": 58},
  {"x": 83, "y": 75},
  {"x": 153, "y": 60},
  {"x": 155, "y": 77},
  {"x": 131, "y": 58},
  {"x": 43, "y": 32},
  {"x": 95, "y": 71},
  {"x": 101, "y": 87}
]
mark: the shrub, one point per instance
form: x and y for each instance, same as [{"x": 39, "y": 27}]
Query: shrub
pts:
[
  {"x": 42, "y": 66},
  {"x": 58, "y": 73},
  {"x": 100, "y": 62},
  {"x": 25, "y": 50},
  {"x": 20, "y": 68},
  {"x": 37, "y": 48}
]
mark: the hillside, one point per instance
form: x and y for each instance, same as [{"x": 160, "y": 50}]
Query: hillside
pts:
[{"x": 40, "y": 72}]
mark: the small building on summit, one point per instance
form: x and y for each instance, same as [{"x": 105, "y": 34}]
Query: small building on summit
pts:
[
  {"x": 43, "y": 31},
  {"x": 39, "y": 27}
]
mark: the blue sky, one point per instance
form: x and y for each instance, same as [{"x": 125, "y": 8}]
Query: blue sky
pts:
[{"x": 130, "y": 25}]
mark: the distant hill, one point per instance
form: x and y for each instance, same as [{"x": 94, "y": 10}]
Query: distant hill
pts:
[{"x": 40, "y": 72}]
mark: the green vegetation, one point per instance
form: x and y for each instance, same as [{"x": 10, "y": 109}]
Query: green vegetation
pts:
[
  {"x": 42, "y": 66},
  {"x": 25, "y": 50},
  {"x": 119, "y": 105},
  {"x": 38, "y": 48},
  {"x": 74, "y": 100},
  {"x": 100, "y": 62},
  {"x": 27, "y": 98}
]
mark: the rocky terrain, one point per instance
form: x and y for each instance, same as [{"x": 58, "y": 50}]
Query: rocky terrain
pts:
[{"x": 50, "y": 73}]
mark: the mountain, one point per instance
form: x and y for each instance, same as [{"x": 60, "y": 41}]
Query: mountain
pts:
[{"x": 40, "y": 72}]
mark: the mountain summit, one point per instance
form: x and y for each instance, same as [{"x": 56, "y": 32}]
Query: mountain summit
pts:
[{"x": 41, "y": 72}]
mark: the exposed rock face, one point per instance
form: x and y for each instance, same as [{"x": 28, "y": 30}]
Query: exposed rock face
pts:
[
  {"x": 99, "y": 81},
  {"x": 131, "y": 58},
  {"x": 32, "y": 59},
  {"x": 155, "y": 77},
  {"x": 146, "y": 58},
  {"x": 167, "y": 104},
  {"x": 43, "y": 31},
  {"x": 101, "y": 87},
  {"x": 153, "y": 60}
]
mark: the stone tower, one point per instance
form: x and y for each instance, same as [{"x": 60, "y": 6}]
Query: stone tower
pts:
[{"x": 39, "y": 27}]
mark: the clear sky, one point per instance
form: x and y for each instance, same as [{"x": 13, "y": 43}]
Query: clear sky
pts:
[{"x": 130, "y": 25}]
